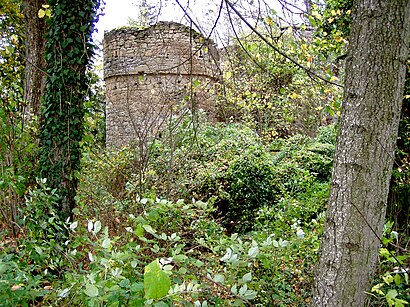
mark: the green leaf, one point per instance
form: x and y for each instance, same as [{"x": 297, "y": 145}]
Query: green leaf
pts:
[
  {"x": 196, "y": 83},
  {"x": 139, "y": 231},
  {"x": 247, "y": 277},
  {"x": 391, "y": 294},
  {"x": 64, "y": 292},
  {"x": 106, "y": 243},
  {"x": 388, "y": 279},
  {"x": 135, "y": 287},
  {"x": 91, "y": 290},
  {"x": 149, "y": 229},
  {"x": 73, "y": 225},
  {"x": 253, "y": 251},
  {"x": 125, "y": 283},
  {"x": 397, "y": 279},
  {"x": 38, "y": 249},
  {"x": 3, "y": 268},
  {"x": 218, "y": 278},
  {"x": 249, "y": 295},
  {"x": 400, "y": 303},
  {"x": 97, "y": 226},
  {"x": 156, "y": 281}
]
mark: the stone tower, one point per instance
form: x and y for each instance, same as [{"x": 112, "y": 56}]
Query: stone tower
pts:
[{"x": 153, "y": 72}]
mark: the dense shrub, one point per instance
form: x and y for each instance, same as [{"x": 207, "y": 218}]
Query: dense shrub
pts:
[
  {"x": 230, "y": 166},
  {"x": 227, "y": 165}
]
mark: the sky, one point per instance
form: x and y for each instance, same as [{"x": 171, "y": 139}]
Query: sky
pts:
[{"x": 116, "y": 13}]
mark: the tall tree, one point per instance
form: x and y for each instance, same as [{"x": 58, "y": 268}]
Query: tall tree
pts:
[
  {"x": 68, "y": 54},
  {"x": 13, "y": 147},
  {"x": 375, "y": 73},
  {"x": 35, "y": 64}
]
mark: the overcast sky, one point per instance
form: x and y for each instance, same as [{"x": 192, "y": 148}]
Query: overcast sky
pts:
[
  {"x": 117, "y": 12},
  {"x": 204, "y": 12}
]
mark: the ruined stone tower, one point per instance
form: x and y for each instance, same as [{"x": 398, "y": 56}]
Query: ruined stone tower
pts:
[{"x": 150, "y": 73}]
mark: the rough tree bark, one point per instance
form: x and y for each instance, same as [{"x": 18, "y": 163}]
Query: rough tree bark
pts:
[
  {"x": 375, "y": 72},
  {"x": 35, "y": 63}
]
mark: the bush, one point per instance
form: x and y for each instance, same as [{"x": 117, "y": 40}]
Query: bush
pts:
[{"x": 230, "y": 166}]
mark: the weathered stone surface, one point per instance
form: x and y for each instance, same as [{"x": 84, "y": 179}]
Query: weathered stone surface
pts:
[{"x": 149, "y": 72}]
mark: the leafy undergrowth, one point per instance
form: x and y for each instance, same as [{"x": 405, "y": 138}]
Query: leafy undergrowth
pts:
[
  {"x": 169, "y": 254},
  {"x": 252, "y": 239}
]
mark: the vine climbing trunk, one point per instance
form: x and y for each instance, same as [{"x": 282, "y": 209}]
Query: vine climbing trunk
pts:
[
  {"x": 375, "y": 73},
  {"x": 68, "y": 54}
]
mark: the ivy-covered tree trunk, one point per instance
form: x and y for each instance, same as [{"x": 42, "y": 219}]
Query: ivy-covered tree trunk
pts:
[
  {"x": 35, "y": 64},
  {"x": 375, "y": 73},
  {"x": 68, "y": 54}
]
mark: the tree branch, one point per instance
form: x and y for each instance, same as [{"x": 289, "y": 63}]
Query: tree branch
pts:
[{"x": 297, "y": 64}]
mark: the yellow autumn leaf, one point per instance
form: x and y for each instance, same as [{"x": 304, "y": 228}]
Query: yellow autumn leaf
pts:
[
  {"x": 317, "y": 15},
  {"x": 294, "y": 96},
  {"x": 228, "y": 75},
  {"x": 41, "y": 13},
  {"x": 334, "y": 78}
]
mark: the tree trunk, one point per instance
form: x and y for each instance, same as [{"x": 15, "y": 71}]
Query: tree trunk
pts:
[
  {"x": 69, "y": 53},
  {"x": 375, "y": 72},
  {"x": 35, "y": 63}
]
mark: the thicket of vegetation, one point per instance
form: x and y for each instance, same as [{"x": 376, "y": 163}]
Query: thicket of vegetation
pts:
[{"x": 226, "y": 214}]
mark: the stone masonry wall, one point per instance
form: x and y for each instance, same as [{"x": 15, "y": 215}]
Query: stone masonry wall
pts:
[{"x": 151, "y": 72}]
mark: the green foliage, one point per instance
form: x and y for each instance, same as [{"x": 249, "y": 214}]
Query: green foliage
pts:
[
  {"x": 68, "y": 54},
  {"x": 398, "y": 209},
  {"x": 30, "y": 264},
  {"x": 17, "y": 147},
  {"x": 275, "y": 98},
  {"x": 156, "y": 282},
  {"x": 229, "y": 166},
  {"x": 253, "y": 178},
  {"x": 392, "y": 285},
  {"x": 168, "y": 254},
  {"x": 332, "y": 26},
  {"x": 12, "y": 54},
  {"x": 94, "y": 113}
]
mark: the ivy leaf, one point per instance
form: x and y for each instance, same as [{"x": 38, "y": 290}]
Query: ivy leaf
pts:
[{"x": 156, "y": 281}]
